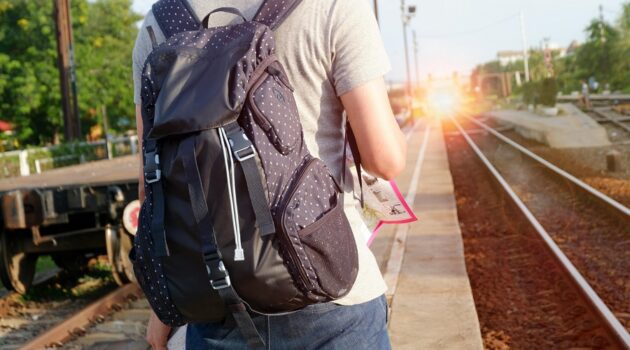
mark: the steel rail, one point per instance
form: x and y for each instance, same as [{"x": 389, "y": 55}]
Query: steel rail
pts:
[
  {"x": 596, "y": 302},
  {"x": 613, "y": 203},
  {"x": 64, "y": 331},
  {"x": 616, "y": 121}
]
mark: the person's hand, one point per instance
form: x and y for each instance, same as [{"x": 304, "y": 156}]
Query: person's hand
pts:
[{"x": 157, "y": 333}]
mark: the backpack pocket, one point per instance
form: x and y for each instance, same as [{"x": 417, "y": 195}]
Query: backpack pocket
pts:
[
  {"x": 274, "y": 109},
  {"x": 321, "y": 240}
]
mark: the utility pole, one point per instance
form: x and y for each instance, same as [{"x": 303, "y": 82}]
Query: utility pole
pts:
[
  {"x": 67, "y": 77},
  {"x": 525, "y": 49},
  {"x": 602, "y": 38},
  {"x": 415, "y": 50},
  {"x": 602, "y": 33},
  {"x": 548, "y": 56},
  {"x": 406, "y": 15}
]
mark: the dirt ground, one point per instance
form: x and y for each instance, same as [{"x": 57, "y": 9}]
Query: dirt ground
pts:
[{"x": 523, "y": 298}]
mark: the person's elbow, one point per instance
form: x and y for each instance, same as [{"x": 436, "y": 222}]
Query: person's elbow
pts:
[{"x": 388, "y": 167}]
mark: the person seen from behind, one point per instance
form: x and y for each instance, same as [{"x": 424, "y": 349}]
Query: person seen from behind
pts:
[{"x": 334, "y": 56}]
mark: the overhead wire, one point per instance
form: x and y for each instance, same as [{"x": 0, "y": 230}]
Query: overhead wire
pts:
[{"x": 471, "y": 31}]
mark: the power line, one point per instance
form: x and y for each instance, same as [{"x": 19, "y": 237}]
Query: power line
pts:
[{"x": 471, "y": 31}]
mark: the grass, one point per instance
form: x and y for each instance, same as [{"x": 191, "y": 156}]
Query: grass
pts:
[
  {"x": 44, "y": 263},
  {"x": 94, "y": 282}
]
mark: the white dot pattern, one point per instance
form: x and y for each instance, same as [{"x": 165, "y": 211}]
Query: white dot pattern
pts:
[
  {"x": 301, "y": 192},
  {"x": 149, "y": 270},
  {"x": 175, "y": 16}
]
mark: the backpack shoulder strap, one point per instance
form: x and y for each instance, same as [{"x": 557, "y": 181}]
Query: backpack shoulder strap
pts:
[
  {"x": 175, "y": 16},
  {"x": 273, "y": 12}
]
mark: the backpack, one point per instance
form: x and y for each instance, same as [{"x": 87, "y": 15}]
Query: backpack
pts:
[{"x": 239, "y": 218}]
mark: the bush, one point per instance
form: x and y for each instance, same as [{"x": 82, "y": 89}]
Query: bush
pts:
[
  {"x": 530, "y": 93},
  {"x": 548, "y": 92}
]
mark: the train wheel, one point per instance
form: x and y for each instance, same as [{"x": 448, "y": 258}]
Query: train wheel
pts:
[
  {"x": 17, "y": 268},
  {"x": 119, "y": 244}
]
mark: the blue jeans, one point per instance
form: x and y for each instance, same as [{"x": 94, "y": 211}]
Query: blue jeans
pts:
[{"x": 319, "y": 326}]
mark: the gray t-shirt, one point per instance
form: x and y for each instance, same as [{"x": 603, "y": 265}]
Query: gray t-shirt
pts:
[{"x": 328, "y": 47}]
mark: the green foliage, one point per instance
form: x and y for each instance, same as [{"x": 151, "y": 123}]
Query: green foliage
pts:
[
  {"x": 531, "y": 93},
  {"x": 595, "y": 56},
  {"x": 104, "y": 33},
  {"x": 621, "y": 52},
  {"x": 548, "y": 92},
  {"x": 604, "y": 55}
]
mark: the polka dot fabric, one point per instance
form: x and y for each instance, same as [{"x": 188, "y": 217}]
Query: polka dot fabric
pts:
[
  {"x": 314, "y": 240},
  {"x": 175, "y": 15},
  {"x": 301, "y": 192},
  {"x": 149, "y": 270}
]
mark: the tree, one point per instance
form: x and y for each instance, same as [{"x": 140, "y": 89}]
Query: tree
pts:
[
  {"x": 29, "y": 84},
  {"x": 104, "y": 32},
  {"x": 594, "y": 58},
  {"x": 621, "y": 52},
  {"x": 104, "y": 45}
]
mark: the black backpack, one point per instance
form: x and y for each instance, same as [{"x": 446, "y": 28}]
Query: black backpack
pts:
[{"x": 239, "y": 217}]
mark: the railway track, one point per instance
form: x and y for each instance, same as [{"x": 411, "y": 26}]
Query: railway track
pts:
[
  {"x": 583, "y": 231},
  {"x": 117, "y": 320},
  {"x": 54, "y": 297},
  {"x": 606, "y": 115}
]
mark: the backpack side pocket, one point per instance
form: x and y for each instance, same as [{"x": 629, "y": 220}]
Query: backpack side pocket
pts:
[{"x": 321, "y": 238}]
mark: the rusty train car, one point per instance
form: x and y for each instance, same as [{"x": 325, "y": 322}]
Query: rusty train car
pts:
[{"x": 72, "y": 214}]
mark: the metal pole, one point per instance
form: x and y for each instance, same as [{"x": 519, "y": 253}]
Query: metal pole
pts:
[
  {"x": 63, "y": 62},
  {"x": 602, "y": 37},
  {"x": 404, "y": 23},
  {"x": 67, "y": 76},
  {"x": 73, "y": 75},
  {"x": 108, "y": 144},
  {"x": 525, "y": 49},
  {"x": 415, "y": 50}
]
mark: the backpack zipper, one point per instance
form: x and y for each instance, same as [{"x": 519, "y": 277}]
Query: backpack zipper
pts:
[
  {"x": 294, "y": 186},
  {"x": 262, "y": 121}
]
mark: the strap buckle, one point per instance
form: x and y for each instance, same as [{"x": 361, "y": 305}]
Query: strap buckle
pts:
[
  {"x": 249, "y": 152},
  {"x": 152, "y": 172},
  {"x": 219, "y": 277},
  {"x": 242, "y": 148}
]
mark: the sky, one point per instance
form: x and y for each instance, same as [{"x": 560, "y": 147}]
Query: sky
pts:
[{"x": 456, "y": 35}]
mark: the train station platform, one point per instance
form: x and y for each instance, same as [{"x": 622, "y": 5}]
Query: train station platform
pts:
[
  {"x": 571, "y": 129},
  {"x": 432, "y": 305}
]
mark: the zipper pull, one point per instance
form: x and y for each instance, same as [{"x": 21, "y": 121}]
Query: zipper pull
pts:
[{"x": 280, "y": 77}]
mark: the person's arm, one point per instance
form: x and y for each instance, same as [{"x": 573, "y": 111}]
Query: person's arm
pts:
[
  {"x": 358, "y": 63},
  {"x": 381, "y": 143}
]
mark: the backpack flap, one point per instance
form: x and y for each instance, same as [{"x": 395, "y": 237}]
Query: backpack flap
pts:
[{"x": 196, "y": 93}]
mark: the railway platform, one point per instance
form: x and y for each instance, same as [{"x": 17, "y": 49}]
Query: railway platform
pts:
[
  {"x": 430, "y": 296},
  {"x": 572, "y": 129}
]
